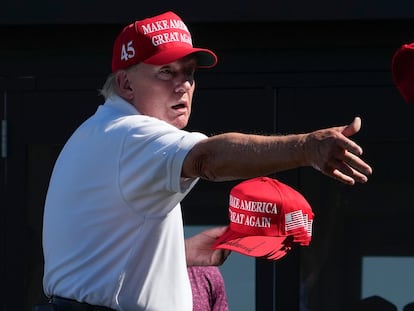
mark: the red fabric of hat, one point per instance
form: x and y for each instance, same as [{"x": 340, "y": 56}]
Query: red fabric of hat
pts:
[
  {"x": 275, "y": 255},
  {"x": 157, "y": 40},
  {"x": 402, "y": 68},
  {"x": 266, "y": 218},
  {"x": 250, "y": 245}
]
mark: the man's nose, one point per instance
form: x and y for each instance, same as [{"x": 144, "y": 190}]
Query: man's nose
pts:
[{"x": 184, "y": 85}]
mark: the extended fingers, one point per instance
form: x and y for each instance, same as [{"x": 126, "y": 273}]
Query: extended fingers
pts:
[
  {"x": 349, "y": 145},
  {"x": 356, "y": 163},
  {"x": 348, "y": 175},
  {"x": 348, "y": 168},
  {"x": 338, "y": 156}
]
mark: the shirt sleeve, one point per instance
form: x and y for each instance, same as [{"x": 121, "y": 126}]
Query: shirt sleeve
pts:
[{"x": 151, "y": 160}]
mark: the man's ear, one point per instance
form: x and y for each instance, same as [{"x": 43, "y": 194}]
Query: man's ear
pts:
[{"x": 123, "y": 85}]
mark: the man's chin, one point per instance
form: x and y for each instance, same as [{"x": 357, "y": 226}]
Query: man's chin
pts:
[{"x": 180, "y": 122}]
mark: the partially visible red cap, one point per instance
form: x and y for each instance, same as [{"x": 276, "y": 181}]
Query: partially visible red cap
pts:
[
  {"x": 402, "y": 68},
  {"x": 266, "y": 218},
  {"x": 157, "y": 40}
]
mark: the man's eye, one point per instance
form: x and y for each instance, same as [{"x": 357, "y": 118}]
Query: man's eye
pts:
[{"x": 165, "y": 73}]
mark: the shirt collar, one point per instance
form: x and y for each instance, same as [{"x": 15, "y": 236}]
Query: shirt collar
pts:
[{"x": 121, "y": 105}]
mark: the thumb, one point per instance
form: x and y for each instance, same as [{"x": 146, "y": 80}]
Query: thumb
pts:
[
  {"x": 216, "y": 231},
  {"x": 352, "y": 128}
]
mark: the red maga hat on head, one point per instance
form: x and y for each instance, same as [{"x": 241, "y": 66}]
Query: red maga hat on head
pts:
[
  {"x": 402, "y": 68},
  {"x": 266, "y": 218},
  {"x": 157, "y": 40}
]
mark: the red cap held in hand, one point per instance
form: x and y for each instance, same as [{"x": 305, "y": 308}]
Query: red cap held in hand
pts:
[{"x": 266, "y": 218}]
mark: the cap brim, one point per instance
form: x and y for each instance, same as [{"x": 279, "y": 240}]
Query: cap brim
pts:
[
  {"x": 277, "y": 254},
  {"x": 205, "y": 58},
  {"x": 255, "y": 246}
]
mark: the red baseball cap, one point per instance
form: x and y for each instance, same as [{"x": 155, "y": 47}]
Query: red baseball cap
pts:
[
  {"x": 402, "y": 68},
  {"x": 157, "y": 40},
  {"x": 267, "y": 217}
]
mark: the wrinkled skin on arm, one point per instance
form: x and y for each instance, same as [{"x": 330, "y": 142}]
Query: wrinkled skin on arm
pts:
[{"x": 232, "y": 156}]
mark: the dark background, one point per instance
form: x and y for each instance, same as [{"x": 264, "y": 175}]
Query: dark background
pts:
[{"x": 284, "y": 67}]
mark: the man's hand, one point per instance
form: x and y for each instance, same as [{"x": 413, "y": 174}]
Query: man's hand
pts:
[
  {"x": 199, "y": 252},
  {"x": 334, "y": 154}
]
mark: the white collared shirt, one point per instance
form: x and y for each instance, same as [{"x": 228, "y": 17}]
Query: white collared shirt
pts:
[{"x": 113, "y": 232}]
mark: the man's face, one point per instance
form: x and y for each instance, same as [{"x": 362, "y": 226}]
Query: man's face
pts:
[{"x": 164, "y": 92}]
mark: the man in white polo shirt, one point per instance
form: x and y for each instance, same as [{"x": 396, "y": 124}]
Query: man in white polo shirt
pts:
[{"x": 113, "y": 233}]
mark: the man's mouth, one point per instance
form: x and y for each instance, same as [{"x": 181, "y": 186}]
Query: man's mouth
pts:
[{"x": 178, "y": 106}]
